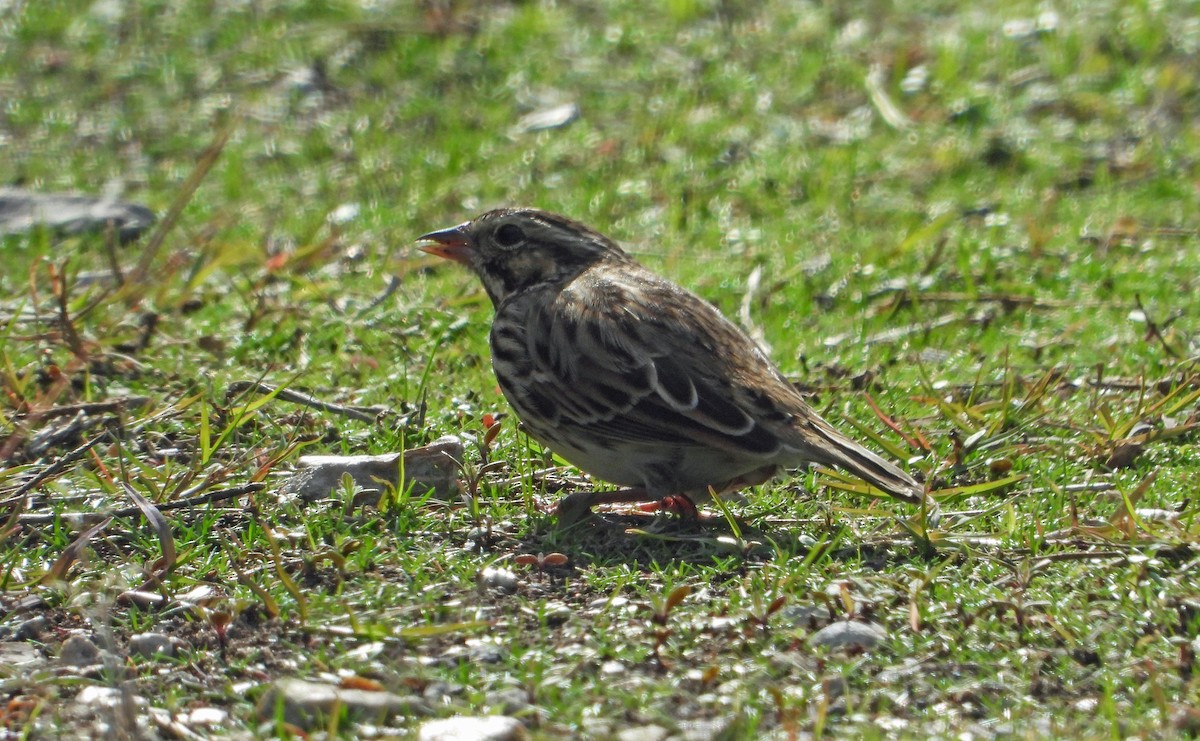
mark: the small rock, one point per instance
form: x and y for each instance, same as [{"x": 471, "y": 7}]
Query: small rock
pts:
[
  {"x": 1187, "y": 721},
  {"x": 848, "y": 634},
  {"x": 511, "y": 701},
  {"x": 439, "y": 693},
  {"x": 833, "y": 687},
  {"x": 18, "y": 655},
  {"x": 556, "y": 613},
  {"x": 71, "y": 213},
  {"x": 708, "y": 729},
  {"x": 643, "y": 733},
  {"x": 79, "y": 651},
  {"x": 433, "y": 467},
  {"x": 497, "y": 580},
  {"x": 547, "y": 118},
  {"x": 31, "y": 629},
  {"x": 207, "y": 717},
  {"x": 805, "y": 616},
  {"x": 344, "y": 213},
  {"x": 147, "y": 645},
  {"x": 612, "y": 668},
  {"x": 306, "y": 704},
  {"x": 485, "y": 652},
  {"x": 596, "y": 727},
  {"x": 471, "y": 728},
  {"x": 141, "y": 600},
  {"x": 94, "y": 696}
]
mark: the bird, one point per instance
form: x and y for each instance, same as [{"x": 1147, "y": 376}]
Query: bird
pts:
[{"x": 632, "y": 378}]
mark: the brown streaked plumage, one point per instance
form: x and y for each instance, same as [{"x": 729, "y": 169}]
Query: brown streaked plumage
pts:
[{"x": 632, "y": 378}]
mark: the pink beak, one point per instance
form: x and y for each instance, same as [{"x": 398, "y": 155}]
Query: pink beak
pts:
[{"x": 453, "y": 244}]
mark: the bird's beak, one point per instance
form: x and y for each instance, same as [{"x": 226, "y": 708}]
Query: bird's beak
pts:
[{"x": 452, "y": 244}]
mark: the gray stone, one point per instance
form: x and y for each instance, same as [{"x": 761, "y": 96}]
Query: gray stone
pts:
[
  {"x": 31, "y": 629},
  {"x": 472, "y": 728},
  {"x": 431, "y": 468},
  {"x": 492, "y": 579},
  {"x": 19, "y": 657},
  {"x": 70, "y": 213},
  {"x": 439, "y": 693},
  {"x": 107, "y": 697},
  {"x": 707, "y": 729},
  {"x": 803, "y": 616},
  {"x": 306, "y": 704},
  {"x": 79, "y": 651},
  {"x": 510, "y": 701},
  {"x": 548, "y": 118},
  {"x": 643, "y": 733},
  {"x": 486, "y": 652},
  {"x": 848, "y": 634},
  {"x": 147, "y": 645}
]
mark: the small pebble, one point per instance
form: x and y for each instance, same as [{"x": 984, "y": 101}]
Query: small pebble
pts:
[
  {"x": 31, "y": 629},
  {"x": 79, "y": 651},
  {"x": 147, "y": 645},
  {"x": 309, "y": 704},
  {"x": 511, "y": 701},
  {"x": 471, "y": 728},
  {"x": 20, "y": 655},
  {"x": 848, "y": 634},
  {"x": 497, "y": 580},
  {"x": 643, "y": 733}
]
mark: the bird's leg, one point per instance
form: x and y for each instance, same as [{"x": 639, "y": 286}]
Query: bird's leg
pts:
[
  {"x": 681, "y": 504},
  {"x": 574, "y": 507}
]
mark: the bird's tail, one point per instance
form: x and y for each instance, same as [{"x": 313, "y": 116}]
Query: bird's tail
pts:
[{"x": 842, "y": 452}]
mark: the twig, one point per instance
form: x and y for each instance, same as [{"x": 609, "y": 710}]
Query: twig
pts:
[
  {"x": 1005, "y": 299},
  {"x": 58, "y": 283},
  {"x": 212, "y": 497},
  {"x": 899, "y": 333},
  {"x": 919, "y": 442},
  {"x": 362, "y": 414},
  {"x": 204, "y": 163},
  {"x": 888, "y": 110},
  {"x": 53, "y": 469},
  {"x": 96, "y": 407},
  {"x": 1152, "y": 329},
  {"x": 391, "y": 288}
]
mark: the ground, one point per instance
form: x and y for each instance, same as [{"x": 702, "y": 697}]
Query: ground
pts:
[{"x": 969, "y": 234}]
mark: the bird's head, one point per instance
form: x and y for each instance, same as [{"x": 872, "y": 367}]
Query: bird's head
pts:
[{"x": 515, "y": 249}]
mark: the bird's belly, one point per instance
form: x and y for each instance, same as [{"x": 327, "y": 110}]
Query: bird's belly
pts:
[{"x": 660, "y": 469}]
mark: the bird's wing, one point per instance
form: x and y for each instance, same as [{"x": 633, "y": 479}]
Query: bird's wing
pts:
[{"x": 655, "y": 364}]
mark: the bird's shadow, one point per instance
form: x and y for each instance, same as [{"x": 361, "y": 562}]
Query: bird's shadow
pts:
[{"x": 648, "y": 541}]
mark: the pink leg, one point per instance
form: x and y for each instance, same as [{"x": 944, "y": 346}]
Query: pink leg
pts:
[{"x": 574, "y": 507}]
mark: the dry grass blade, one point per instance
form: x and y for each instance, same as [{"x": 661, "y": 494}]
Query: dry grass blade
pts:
[
  {"x": 204, "y": 163},
  {"x": 362, "y": 414},
  {"x": 943, "y": 495},
  {"x": 270, "y": 606},
  {"x": 13, "y": 524},
  {"x": 1125, "y": 520},
  {"x": 162, "y": 528},
  {"x": 288, "y": 583},
  {"x": 212, "y": 497},
  {"x": 72, "y": 552},
  {"x": 54, "y": 469},
  {"x": 676, "y": 596}
]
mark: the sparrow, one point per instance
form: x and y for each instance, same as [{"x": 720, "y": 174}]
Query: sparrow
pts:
[{"x": 633, "y": 379}]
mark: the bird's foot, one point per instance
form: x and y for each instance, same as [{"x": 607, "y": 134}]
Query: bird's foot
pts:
[
  {"x": 577, "y": 507},
  {"x": 677, "y": 503}
]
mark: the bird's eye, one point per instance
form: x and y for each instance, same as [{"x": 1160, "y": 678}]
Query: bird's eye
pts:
[{"x": 509, "y": 235}]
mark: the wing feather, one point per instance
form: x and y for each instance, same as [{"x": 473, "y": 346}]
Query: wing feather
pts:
[{"x": 638, "y": 374}]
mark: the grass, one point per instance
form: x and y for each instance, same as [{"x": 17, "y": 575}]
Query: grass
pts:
[{"x": 1005, "y": 267}]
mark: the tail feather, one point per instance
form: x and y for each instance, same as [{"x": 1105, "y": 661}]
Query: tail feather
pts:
[{"x": 835, "y": 449}]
